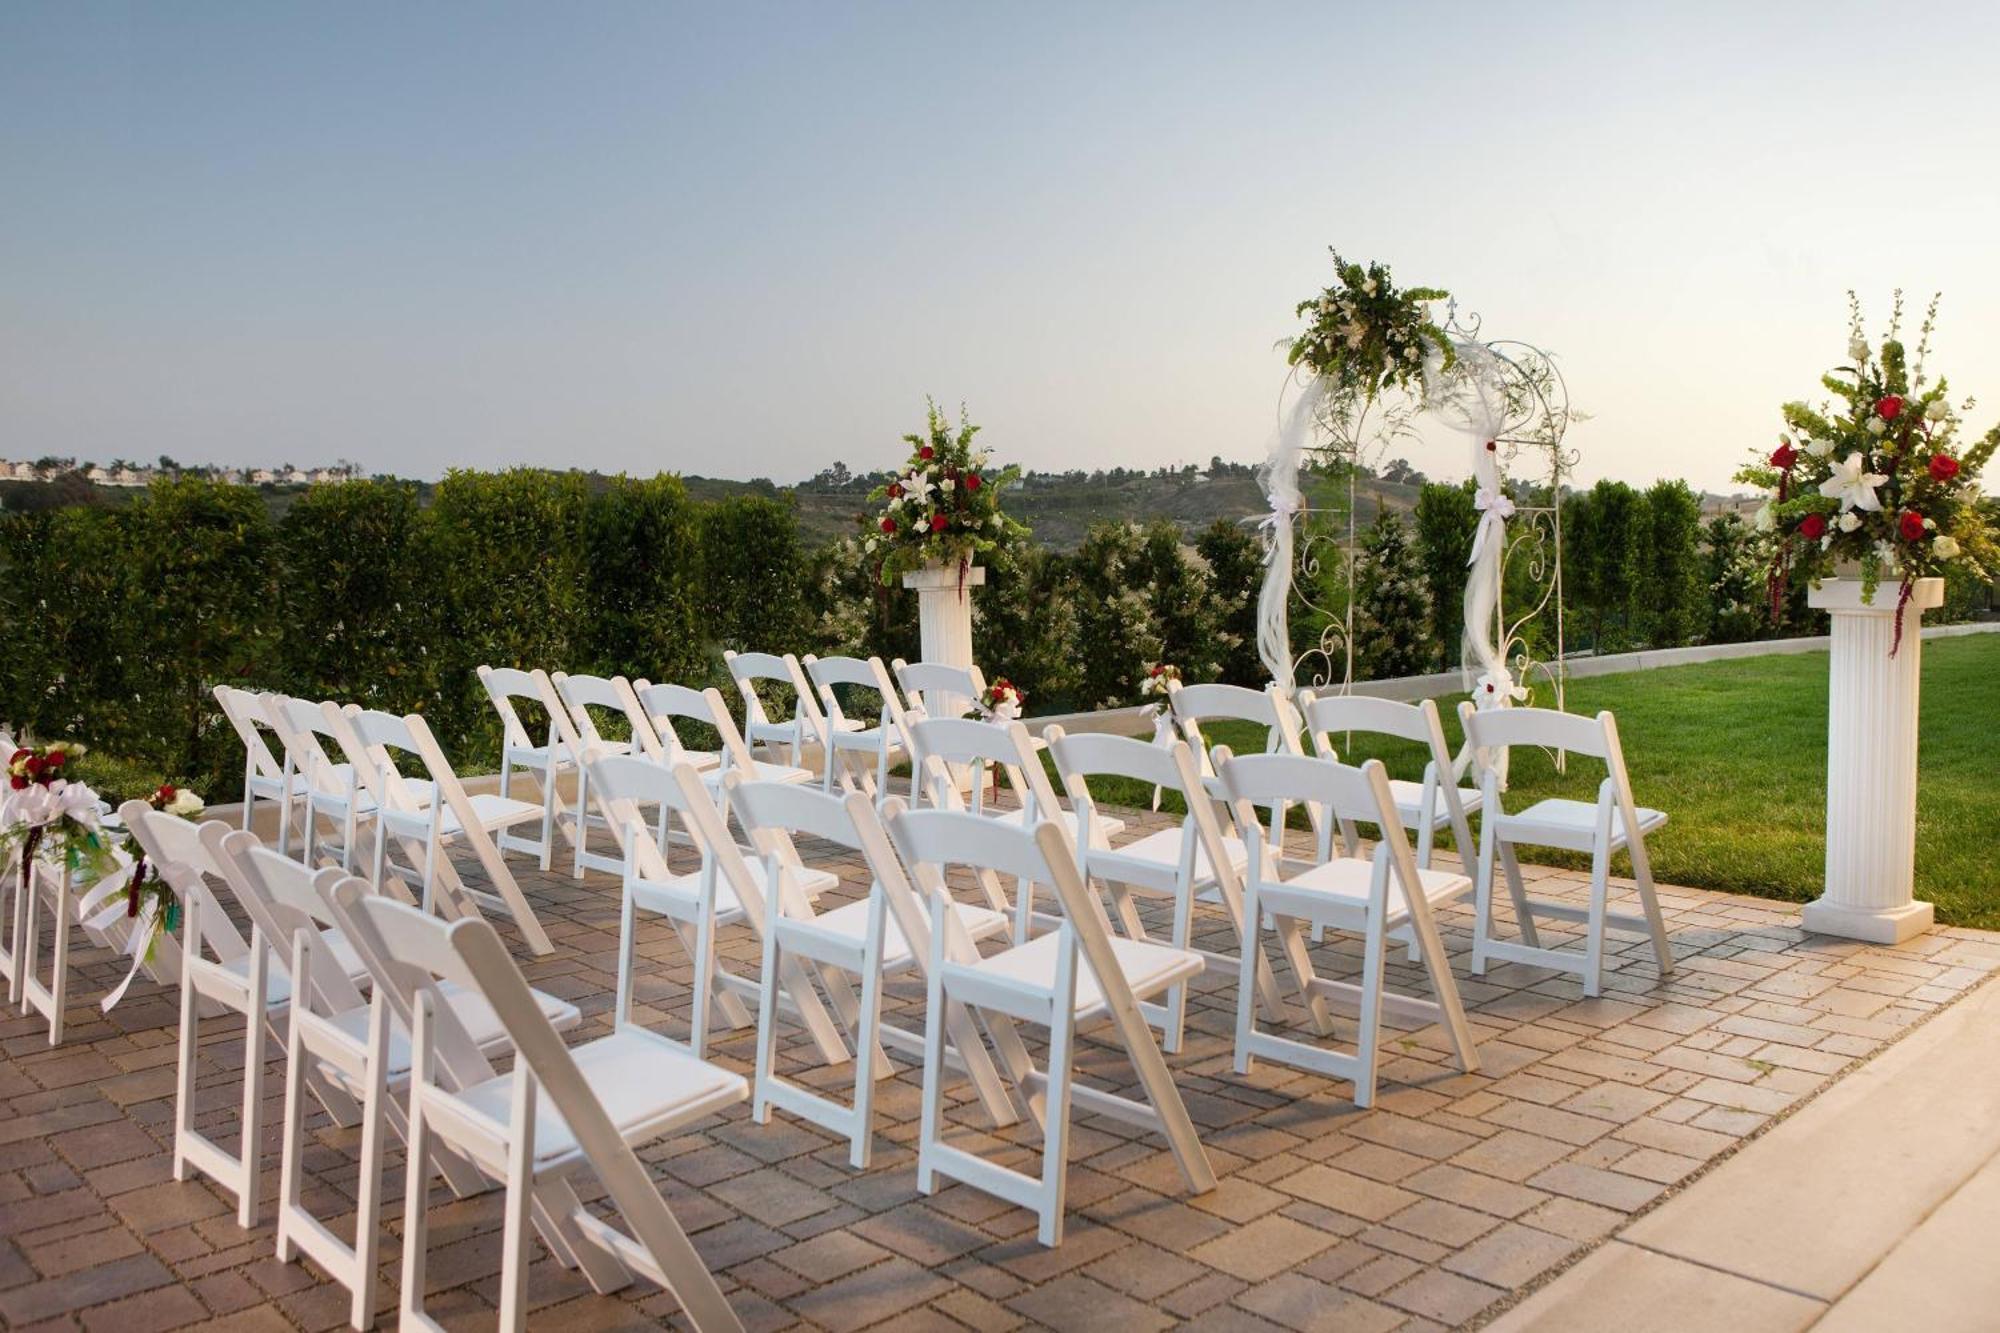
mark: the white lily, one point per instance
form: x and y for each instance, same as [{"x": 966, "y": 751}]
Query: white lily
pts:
[
  {"x": 917, "y": 487},
  {"x": 1853, "y": 484},
  {"x": 1766, "y": 520}
]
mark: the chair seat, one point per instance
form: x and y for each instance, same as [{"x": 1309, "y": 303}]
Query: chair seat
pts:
[
  {"x": 1572, "y": 825},
  {"x": 794, "y": 732},
  {"x": 1029, "y": 970},
  {"x": 493, "y": 813},
  {"x": 1156, "y": 857},
  {"x": 421, "y": 792},
  {"x": 850, "y": 922},
  {"x": 277, "y": 978},
  {"x": 761, "y": 772},
  {"x": 1109, "y": 826},
  {"x": 473, "y": 1013},
  {"x": 646, "y": 1084},
  {"x": 1409, "y": 798},
  {"x": 1339, "y": 889},
  {"x": 537, "y": 756},
  {"x": 679, "y": 896}
]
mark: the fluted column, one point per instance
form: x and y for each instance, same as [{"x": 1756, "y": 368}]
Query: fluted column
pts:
[
  {"x": 944, "y": 611},
  {"x": 1871, "y": 764}
]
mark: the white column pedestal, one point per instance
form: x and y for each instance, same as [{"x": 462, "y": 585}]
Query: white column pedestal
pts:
[
  {"x": 1871, "y": 764},
  {"x": 944, "y": 610}
]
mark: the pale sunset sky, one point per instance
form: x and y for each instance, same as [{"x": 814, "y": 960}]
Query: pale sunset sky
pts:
[{"x": 747, "y": 239}]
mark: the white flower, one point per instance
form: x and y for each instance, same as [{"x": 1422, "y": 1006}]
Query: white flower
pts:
[
  {"x": 946, "y": 485},
  {"x": 1945, "y": 547},
  {"x": 895, "y": 502},
  {"x": 186, "y": 804},
  {"x": 1370, "y": 287},
  {"x": 1766, "y": 520},
  {"x": 917, "y": 486},
  {"x": 1876, "y": 425},
  {"x": 1849, "y": 521},
  {"x": 1857, "y": 347},
  {"x": 1852, "y": 484},
  {"x": 1817, "y": 448},
  {"x": 994, "y": 523},
  {"x": 1936, "y": 409}
]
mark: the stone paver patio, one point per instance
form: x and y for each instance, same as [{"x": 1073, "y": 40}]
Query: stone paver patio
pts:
[{"x": 1433, "y": 1209}]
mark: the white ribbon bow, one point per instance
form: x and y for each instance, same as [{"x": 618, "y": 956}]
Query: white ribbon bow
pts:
[{"x": 1495, "y": 509}]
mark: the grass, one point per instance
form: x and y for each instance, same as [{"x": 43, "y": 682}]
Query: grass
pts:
[{"x": 1735, "y": 753}]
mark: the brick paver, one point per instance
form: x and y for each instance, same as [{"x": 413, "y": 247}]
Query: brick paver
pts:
[{"x": 1427, "y": 1210}]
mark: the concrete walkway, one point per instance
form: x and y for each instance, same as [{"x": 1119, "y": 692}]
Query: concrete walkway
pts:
[{"x": 1876, "y": 1206}]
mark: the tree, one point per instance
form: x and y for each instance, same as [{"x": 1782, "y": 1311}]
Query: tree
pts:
[
  {"x": 1236, "y": 576},
  {"x": 1738, "y": 599},
  {"x": 1668, "y": 565},
  {"x": 1446, "y": 522},
  {"x": 1393, "y": 632},
  {"x": 1598, "y": 567}
]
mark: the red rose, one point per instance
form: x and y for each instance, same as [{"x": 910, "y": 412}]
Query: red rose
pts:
[
  {"x": 1812, "y": 527},
  {"x": 19, "y": 782},
  {"x": 972, "y": 481},
  {"x": 1784, "y": 456},
  {"x": 939, "y": 522},
  {"x": 57, "y": 759},
  {"x": 1943, "y": 467},
  {"x": 927, "y": 453},
  {"x": 166, "y": 794},
  {"x": 18, "y": 756},
  {"x": 1889, "y": 407},
  {"x": 896, "y": 490},
  {"x": 889, "y": 525},
  {"x": 36, "y": 764},
  {"x": 1911, "y": 525}
]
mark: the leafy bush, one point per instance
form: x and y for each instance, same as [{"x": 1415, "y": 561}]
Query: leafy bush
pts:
[
  {"x": 1393, "y": 604},
  {"x": 642, "y": 546},
  {"x": 1236, "y": 575},
  {"x": 1446, "y": 521}
]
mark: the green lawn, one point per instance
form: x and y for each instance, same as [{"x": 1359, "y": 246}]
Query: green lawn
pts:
[{"x": 1735, "y": 753}]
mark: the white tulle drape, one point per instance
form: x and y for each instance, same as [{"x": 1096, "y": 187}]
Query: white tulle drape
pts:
[
  {"x": 1477, "y": 404},
  {"x": 1280, "y": 478}
]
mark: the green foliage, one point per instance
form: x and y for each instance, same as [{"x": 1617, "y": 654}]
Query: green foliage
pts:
[
  {"x": 1446, "y": 522},
  {"x": 1600, "y": 569},
  {"x": 1026, "y": 626},
  {"x": 1393, "y": 604},
  {"x": 1116, "y": 640},
  {"x": 752, "y": 576},
  {"x": 358, "y": 598},
  {"x": 1236, "y": 574},
  {"x": 642, "y": 549},
  {"x": 943, "y": 506},
  {"x": 1180, "y": 601},
  {"x": 1668, "y": 583},
  {"x": 1363, "y": 335},
  {"x": 1734, "y": 577}
]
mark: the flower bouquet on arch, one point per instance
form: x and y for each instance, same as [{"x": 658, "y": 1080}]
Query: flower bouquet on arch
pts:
[
  {"x": 1875, "y": 478},
  {"x": 942, "y": 507}
]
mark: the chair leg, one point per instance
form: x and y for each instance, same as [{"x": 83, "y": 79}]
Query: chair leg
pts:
[
  {"x": 368, "y": 1200},
  {"x": 416, "y": 1210},
  {"x": 704, "y": 983},
  {"x": 1482, "y": 911},
  {"x": 59, "y": 969},
  {"x": 184, "y": 1074},
  {"x": 621, "y": 1007},
  {"x": 291, "y": 1171},
  {"x": 1055, "y": 1133},
  {"x": 933, "y": 1095},
  {"x": 254, "y": 1023},
  {"x": 867, "y": 1048},
  {"x": 1518, "y": 891},
  {"x": 1246, "y": 976},
  {"x": 1593, "y": 938},
  {"x": 767, "y": 1028},
  {"x": 1369, "y": 1039},
  {"x": 1176, "y": 1026},
  {"x": 520, "y": 1193},
  {"x": 547, "y": 855}
]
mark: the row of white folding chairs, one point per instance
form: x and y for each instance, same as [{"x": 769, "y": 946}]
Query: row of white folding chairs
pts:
[
  {"x": 375, "y": 804},
  {"x": 442, "y": 999}
]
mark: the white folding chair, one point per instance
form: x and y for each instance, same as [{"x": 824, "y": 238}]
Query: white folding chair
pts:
[
  {"x": 942, "y": 748},
  {"x": 662, "y": 705},
  {"x": 939, "y": 689},
  {"x": 1373, "y": 898},
  {"x": 328, "y": 787},
  {"x": 1062, "y": 981},
  {"x": 1188, "y": 861},
  {"x": 1268, "y": 708},
  {"x": 873, "y": 938},
  {"x": 548, "y": 761},
  {"x": 580, "y": 695},
  {"x": 1602, "y": 828},
  {"x": 426, "y": 830},
  {"x": 723, "y": 891},
  {"x": 561, "y": 1110},
  {"x": 263, "y": 773},
  {"x": 798, "y": 735},
  {"x": 1430, "y": 805},
  {"x": 333, "y": 1032},
  {"x": 885, "y": 740},
  {"x": 219, "y": 968}
]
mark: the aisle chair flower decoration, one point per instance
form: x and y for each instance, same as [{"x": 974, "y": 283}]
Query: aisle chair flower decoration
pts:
[
  {"x": 942, "y": 507},
  {"x": 1002, "y": 702},
  {"x": 52, "y": 817},
  {"x": 1874, "y": 478},
  {"x": 1157, "y": 688},
  {"x": 145, "y": 892}
]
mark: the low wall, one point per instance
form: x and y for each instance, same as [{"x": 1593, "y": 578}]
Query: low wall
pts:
[{"x": 1138, "y": 720}]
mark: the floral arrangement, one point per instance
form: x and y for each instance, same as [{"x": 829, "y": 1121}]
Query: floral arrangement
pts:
[
  {"x": 943, "y": 506},
  {"x": 1161, "y": 677},
  {"x": 145, "y": 889},
  {"x": 1874, "y": 479},
  {"x": 1362, "y": 335},
  {"x": 51, "y": 817},
  {"x": 1002, "y": 701}
]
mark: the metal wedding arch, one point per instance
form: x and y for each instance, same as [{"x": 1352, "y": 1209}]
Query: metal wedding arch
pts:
[{"x": 1510, "y": 403}]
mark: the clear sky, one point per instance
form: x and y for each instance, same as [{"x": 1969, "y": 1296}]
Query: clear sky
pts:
[{"x": 747, "y": 239}]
